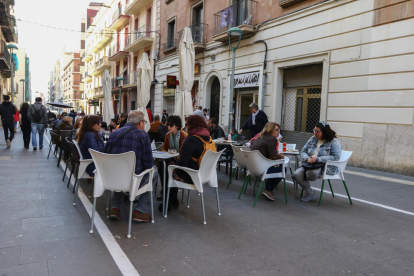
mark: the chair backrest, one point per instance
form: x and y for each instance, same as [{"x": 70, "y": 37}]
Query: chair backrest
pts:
[
  {"x": 63, "y": 135},
  {"x": 208, "y": 165},
  {"x": 238, "y": 154},
  {"x": 113, "y": 171},
  {"x": 74, "y": 155},
  {"x": 78, "y": 148},
  {"x": 54, "y": 137},
  {"x": 257, "y": 164},
  {"x": 158, "y": 145},
  {"x": 345, "y": 155}
]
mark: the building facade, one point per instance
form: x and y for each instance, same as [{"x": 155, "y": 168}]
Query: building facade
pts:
[
  {"x": 345, "y": 62},
  {"x": 8, "y": 35},
  {"x": 70, "y": 79}
]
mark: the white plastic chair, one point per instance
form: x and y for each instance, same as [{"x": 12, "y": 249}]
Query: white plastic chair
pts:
[
  {"x": 258, "y": 165},
  {"x": 115, "y": 172},
  {"x": 239, "y": 157},
  {"x": 341, "y": 165},
  {"x": 206, "y": 174}
]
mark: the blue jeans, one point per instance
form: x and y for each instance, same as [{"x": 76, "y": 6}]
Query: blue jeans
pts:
[
  {"x": 41, "y": 128},
  {"x": 144, "y": 200},
  {"x": 272, "y": 182}
]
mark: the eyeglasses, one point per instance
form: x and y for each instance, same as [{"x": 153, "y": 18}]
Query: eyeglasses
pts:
[
  {"x": 277, "y": 129},
  {"x": 145, "y": 122},
  {"x": 316, "y": 131},
  {"x": 170, "y": 125}
]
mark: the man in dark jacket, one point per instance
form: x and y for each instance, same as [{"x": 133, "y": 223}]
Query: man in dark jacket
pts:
[
  {"x": 256, "y": 121},
  {"x": 73, "y": 115},
  {"x": 7, "y": 111},
  {"x": 132, "y": 137},
  {"x": 38, "y": 117},
  {"x": 215, "y": 130}
]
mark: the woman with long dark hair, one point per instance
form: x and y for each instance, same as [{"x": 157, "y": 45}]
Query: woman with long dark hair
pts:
[
  {"x": 321, "y": 147},
  {"x": 90, "y": 138},
  {"x": 25, "y": 124}
]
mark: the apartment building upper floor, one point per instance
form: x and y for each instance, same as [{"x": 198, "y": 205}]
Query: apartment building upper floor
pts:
[{"x": 210, "y": 20}]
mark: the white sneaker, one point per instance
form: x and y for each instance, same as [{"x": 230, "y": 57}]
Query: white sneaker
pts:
[{"x": 8, "y": 143}]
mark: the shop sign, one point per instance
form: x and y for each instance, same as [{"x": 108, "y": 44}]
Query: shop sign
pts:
[
  {"x": 246, "y": 80},
  {"x": 90, "y": 102},
  {"x": 95, "y": 102},
  {"x": 171, "y": 81},
  {"x": 168, "y": 92}
]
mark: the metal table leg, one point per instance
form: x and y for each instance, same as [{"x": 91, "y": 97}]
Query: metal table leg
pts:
[{"x": 163, "y": 188}]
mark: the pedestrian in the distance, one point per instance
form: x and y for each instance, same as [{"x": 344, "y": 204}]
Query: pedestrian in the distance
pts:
[
  {"x": 73, "y": 115},
  {"x": 38, "y": 117},
  {"x": 25, "y": 124},
  {"x": 16, "y": 119},
  {"x": 7, "y": 111}
]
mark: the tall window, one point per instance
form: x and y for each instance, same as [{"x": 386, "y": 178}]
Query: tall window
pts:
[{"x": 171, "y": 31}]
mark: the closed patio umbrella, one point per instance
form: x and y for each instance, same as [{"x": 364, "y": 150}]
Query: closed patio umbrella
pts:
[
  {"x": 108, "y": 111},
  {"x": 144, "y": 86},
  {"x": 186, "y": 56}
]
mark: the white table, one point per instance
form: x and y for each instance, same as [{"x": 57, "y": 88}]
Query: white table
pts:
[{"x": 162, "y": 155}]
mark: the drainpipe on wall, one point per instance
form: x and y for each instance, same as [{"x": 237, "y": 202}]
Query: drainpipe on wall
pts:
[{"x": 261, "y": 105}]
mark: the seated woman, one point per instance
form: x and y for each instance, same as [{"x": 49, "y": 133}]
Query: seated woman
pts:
[
  {"x": 65, "y": 125},
  {"x": 76, "y": 127},
  {"x": 90, "y": 138},
  {"x": 193, "y": 146},
  {"x": 323, "y": 146},
  {"x": 266, "y": 143},
  {"x": 173, "y": 140}
]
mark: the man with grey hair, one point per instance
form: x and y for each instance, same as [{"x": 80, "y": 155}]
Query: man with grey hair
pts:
[
  {"x": 132, "y": 137},
  {"x": 256, "y": 121}
]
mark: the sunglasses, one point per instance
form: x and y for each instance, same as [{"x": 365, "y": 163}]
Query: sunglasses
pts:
[{"x": 170, "y": 125}]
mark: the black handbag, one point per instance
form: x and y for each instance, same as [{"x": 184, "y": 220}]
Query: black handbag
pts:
[{"x": 313, "y": 166}]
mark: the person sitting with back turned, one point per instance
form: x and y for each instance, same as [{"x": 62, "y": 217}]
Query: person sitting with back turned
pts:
[
  {"x": 266, "y": 143},
  {"x": 155, "y": 124},
  {"x": 321, "y": 147},
  {"x": 163, "y": 129},
  {"x": 132, "y": 137},
  {"x": 215, "y": 130}
]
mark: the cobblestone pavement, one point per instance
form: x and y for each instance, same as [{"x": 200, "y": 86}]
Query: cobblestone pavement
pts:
[{"x": 42, "y": 233}]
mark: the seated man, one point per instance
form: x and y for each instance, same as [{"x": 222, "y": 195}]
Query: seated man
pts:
[
  {"x": 132, "y": 137},
  {"x": 154, "y": 125},
  {"x": 55, "y": 124},
  {"x": 215, "y": 130},
  {"x": 163, "y": 129}
]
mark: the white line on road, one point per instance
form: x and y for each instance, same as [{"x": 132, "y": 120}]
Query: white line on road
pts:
[
  {"x": 383, "y": 178},
  {"x": 119, "y": 256},
  {"x": 364, "y": 201}
]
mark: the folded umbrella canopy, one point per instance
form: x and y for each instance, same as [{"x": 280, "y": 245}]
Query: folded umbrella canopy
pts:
[
  {"x": 186, "y": 56},
  {"x": 61, "y": 105},
  {"x": 108, "y": 111},
  {"x": 143, "y": 86}
]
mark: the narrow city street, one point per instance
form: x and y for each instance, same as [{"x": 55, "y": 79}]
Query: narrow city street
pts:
[{"x": 42, "y": 233}]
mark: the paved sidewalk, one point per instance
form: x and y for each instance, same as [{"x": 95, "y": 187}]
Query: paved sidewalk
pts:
[
  {"x": 41, "y": 232},
  {"x": 271, "y": 239}
]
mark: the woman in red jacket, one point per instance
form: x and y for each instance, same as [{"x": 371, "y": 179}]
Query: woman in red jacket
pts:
[{"x": 16, "y": 119}]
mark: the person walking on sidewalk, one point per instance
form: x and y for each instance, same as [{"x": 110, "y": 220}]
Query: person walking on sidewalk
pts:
[
  {"x": 16, "y": 119},
  {"x": 7, "y": 111},
  {"x": 25, "y": 124},
  {"x": 38, "y": 117}
]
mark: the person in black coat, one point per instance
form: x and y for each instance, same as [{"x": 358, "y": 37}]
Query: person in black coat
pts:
[
  {"x": 256, "y": 121},
  {"x": 25, "y": 124},
  {"x": 7, "y": 111}
]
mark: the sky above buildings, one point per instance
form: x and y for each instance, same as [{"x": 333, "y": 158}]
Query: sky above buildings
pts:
[{"x": 44, "y": 45}]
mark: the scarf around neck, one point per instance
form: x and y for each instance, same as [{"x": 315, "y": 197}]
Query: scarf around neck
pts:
[
  {"x": 254, "y": 117},
  {"x": 174, "y": 141},
  {"x": 199, "y": 131}
]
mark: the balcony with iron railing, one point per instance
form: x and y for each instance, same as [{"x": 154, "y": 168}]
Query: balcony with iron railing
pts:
[
  {"x": 101, "y": 65},
  {"x": 128, "y": 80},
  {"x": 116, "y": 52},
  {"x": 102, "y": 37},
  {"x": 5, "y": 62},
  {"x": 98, "y": 91},
  {"x": 118, "y": 19},
  {"x": 139, "y": 39},
  {"x": 241, "y": 14},
  {"x": 86, "y": 56},
  {"x": 170, "y": 46},
  {"x": 198, "y": 31},
  {"x": 134, "y": 6},
  {"x": 86, "y": 77}
]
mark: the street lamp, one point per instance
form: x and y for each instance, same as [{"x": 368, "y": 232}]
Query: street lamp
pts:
[
  {"x": 74, "y": 92},
  {"x": 233, "y": 32},
  {"x": 24, "y": 93},
  {"x": 11, "y": 47},
  {"x": 120, "y": 79}
]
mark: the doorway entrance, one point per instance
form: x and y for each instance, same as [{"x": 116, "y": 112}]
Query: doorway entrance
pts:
[
  {"x": 244, "y": 99},
  {"x": 215, "y": 100}
]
